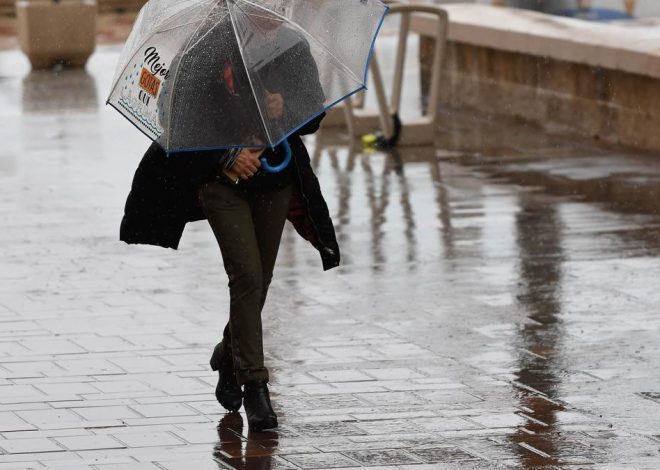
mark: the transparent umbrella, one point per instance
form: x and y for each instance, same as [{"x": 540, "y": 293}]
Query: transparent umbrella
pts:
[{"x": 216, "y": 74}]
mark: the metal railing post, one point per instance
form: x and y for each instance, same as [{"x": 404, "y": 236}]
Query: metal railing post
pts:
[{"x": 431, "y": 22}]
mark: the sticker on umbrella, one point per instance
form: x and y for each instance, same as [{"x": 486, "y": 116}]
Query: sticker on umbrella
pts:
[{"x": 143, "y": 81}]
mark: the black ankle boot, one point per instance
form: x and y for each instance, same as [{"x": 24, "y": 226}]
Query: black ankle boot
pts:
[
  {"x": 259, "y": 411},
  {"x": 227, "y": 392}
]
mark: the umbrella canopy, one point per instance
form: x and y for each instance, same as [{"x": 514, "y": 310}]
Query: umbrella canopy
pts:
[{"x": 213, "y": 74}]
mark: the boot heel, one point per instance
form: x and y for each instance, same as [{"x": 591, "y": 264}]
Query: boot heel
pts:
[
  {"x": 259, "y": 411},
  {"x": 227, "y": 392},
  {"x": 215, "y": 359}
]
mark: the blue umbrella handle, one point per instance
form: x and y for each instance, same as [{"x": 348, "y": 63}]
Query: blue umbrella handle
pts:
[{"x": 285, "y": 162}]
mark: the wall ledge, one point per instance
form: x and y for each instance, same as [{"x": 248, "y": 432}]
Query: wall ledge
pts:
[{"x": 633, "y": 48}]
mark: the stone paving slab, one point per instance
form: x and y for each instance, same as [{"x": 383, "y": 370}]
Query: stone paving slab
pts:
[{"x": 496, "y": 307}]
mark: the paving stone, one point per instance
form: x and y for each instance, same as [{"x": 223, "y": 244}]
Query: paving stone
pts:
[
  {"x": 333, "y": 428},
  {"x": 121, "y": 386},
  {"x": 381, "y": 457},
  {"x": 167, "y": 420},
  {"x": 68, "y": 465},
  {"x": 394, "y": 415},
  {"x": 66, "y": 388},
  {"x": 137, "y": 466},
  {"x": 97, "y": 413},
  {"x": 504, "y": 420},
  {"x": 179, "y": 386},
  {"x": 11, "y": 422},
  {"x": 392, "y": 398},
  {"x": 154, "y": 439},
  {"x": 357, "y": 387},
  {"x": 51, "y": 347},
  {"x": 393, "y": 373},
  {"x": 51, "y": 419},
  {"x": 442, "y": 454},
  {"x": 184, "y": 464},
  {"x": 82, "y": 403},
  {"x": 89, "y": 442},
  {"x": 141, "y": 364},
  {"x": 29, "y": 446},
  {"x": 89, "y": 367},
  {"x": 163, "y": 410},
  {"x": 205, "y": 436},
  {"x": 387, "y": 426},
  {"x": 340, "y": 375},
  {"x": 321, "y": 418},
  {"x": 326, "y": 460},
  {"x": 16, "y": 393},
  {"x": 337, "y": 401},
  {"x": 368, "y": 445},
  {"x": 100, "y": 344}
]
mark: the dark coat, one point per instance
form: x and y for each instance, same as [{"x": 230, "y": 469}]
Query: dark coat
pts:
[{"x": 164, "y": 197}]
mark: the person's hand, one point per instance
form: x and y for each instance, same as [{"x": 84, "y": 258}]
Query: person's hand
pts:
[
  {"x": 274, "y": 105},
  {"x": 247, "y": 163}
]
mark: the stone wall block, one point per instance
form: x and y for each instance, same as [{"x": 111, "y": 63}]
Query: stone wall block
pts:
[
  {"x": 557, "y": 77},
  {"x": 635, "y": 92},
  {"x": 638, "y": 130},
  {"x": 611, "y": 105}
]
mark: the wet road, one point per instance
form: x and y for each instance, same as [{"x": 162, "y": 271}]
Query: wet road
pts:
[{"x": 496, "y": 307}]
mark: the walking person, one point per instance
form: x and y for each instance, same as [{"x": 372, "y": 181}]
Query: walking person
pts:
[
  {"x": 226, "y": 90},
  {"x": 246, "y": 208}
]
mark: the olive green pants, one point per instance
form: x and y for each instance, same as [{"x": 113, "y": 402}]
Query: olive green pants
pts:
[{"x": 248, "y": 227}]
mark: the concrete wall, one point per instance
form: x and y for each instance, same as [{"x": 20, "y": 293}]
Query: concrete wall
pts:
[
  {"x": 610, "y": 105},
  {"x": 596, "y": 80}
]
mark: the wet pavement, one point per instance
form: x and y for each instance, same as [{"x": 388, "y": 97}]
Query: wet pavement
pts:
[{"x": 496, "y": 307}]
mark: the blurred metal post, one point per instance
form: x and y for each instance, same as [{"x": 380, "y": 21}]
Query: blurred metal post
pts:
[{"x": 421, "y": 130}]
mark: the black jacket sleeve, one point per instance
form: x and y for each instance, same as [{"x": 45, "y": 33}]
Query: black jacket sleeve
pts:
[{"x": 312, "y": 126}]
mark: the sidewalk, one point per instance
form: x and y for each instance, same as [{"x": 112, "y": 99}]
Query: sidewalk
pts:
[{"x": 496, "y": 307}]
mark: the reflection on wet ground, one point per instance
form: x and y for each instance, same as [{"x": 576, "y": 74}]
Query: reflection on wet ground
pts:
[
  {"x": 59, "y": 91},
  {"x": 244, "y": 449},
  {"x": 497, "y": 305}
]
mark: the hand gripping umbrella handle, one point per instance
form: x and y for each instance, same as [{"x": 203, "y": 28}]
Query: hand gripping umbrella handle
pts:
[{"x": 285, "y": 162}]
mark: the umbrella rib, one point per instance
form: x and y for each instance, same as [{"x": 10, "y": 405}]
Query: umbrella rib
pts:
[
  {"x": 189, "y": 46},
  {"x": 311, "y": 37},
  {"x": 170, "y": 18},
  {"x": 247, "y": 73},
  {"x": 167, "y": 18}
]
